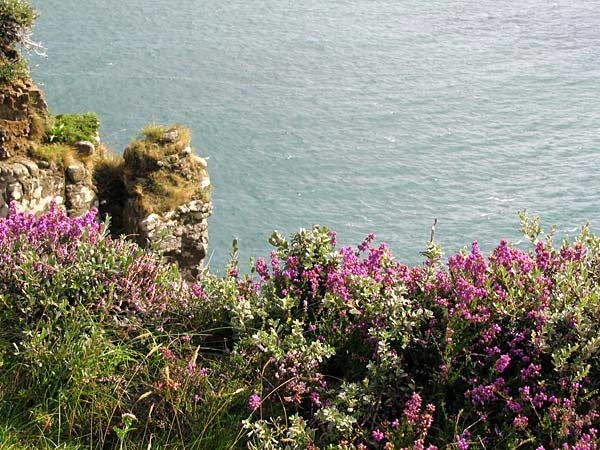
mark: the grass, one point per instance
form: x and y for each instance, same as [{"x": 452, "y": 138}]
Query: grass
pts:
[
  {"x": 62, "y": 155},
  {"x": 152, "y": 146},
  {"x": 161, "y": 189},
  {"x": 10, "y": 70},
  {"x": 167, "y": 190},
  {"x": 155, "y": 133},
  {"x": 38, "y": 127},
  {"x": 71, "y": 128}
]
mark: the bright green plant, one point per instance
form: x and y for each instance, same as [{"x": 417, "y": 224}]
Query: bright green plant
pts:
[{"x": 70, "y": 128}]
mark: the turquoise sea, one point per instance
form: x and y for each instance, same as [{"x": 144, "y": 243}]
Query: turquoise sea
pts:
[{"x": 362, "y": 115}]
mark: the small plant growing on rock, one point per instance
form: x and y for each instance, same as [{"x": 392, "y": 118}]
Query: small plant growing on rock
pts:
[
  {"x": 16, "y": 21},
  {"x": 71, "y": 128}
]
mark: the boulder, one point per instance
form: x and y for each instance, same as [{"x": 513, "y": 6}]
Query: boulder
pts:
[{"x": 85, "y": 148}]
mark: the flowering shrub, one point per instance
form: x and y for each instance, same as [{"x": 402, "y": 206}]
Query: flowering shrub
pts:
[
  {"x": 61, "y": 261},
  {"x": 318, "y": 347},
  {"x": 497, "y": 352},
  {"x": 83, "y": 321}
]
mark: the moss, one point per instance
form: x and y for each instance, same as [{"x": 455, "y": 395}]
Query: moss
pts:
[{"x": 70, "y": 128}]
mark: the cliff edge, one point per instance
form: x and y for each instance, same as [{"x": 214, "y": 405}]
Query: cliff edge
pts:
[{"x": 157, "y": 194}]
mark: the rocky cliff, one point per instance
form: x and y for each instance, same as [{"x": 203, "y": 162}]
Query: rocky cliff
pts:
[
  {"x": 23, "y": 117},
  {"x": 34, "y": 182},
  {"x": 168, "y": 196},
  {"x": 157, "y": 195}
]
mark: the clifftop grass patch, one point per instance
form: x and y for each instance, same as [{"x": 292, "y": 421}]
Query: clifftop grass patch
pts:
[
  {"x": 162, "y": 170},
  {"x": 62, "y": 134},
  {"x": 71, "y": 128}
]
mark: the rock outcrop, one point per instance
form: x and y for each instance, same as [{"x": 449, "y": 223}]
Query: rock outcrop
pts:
[
  {"x": 168, "y": 202},
  {"x": 33, "y": 182},
  {"x": 23, "y": 118},
  {"x": 158, "y": 194},
  {"x": 31, "y": 186}
]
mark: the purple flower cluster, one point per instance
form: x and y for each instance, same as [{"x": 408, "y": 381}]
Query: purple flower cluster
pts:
[
  {"x": 486, "y": 330},
  {"x": 71, "y": 257},
  {"x": 497, "y": 351}
]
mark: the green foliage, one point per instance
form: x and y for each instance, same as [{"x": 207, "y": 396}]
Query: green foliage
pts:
[
  {"x": 318, "y": 348},
  {"x": 12, "y": 70},
  {"x": 16, "y": 19},
  {"x": 70, "y": 128}
]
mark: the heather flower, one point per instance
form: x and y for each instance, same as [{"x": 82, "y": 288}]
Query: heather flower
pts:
[
  {"x": 378, "y": 435},
  {"x": 412, "y": 409},
  {"x": 520, "y": 422},
  {"x": 262, "y": 269},
  {"x": 462, "y": 443},
  {"x": 502, "y": 363},
  {"x": 254, "y": 401}
]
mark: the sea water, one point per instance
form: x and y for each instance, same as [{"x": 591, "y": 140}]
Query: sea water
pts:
[{"x": 361, "y": 115}]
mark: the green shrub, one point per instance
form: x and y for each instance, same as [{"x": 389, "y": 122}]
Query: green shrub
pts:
[
  {"x": 16, "y": 19},
  {"x": 319, "y": 348},
  {"x": 11, "y": 70},
  {"x": 70, "y": 128}
]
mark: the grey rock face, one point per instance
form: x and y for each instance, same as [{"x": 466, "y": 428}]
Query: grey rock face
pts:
[
  {"x": 181, "y": 236},
  {"x": 34, "y": 188}
]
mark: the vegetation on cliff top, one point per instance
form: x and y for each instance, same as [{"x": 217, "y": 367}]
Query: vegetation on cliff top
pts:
[
  {"x": 102, "y": 346},
  {"x": 149, "y": 164},
  {"x": 71, "y": 128},
  {"x": 16, "y": 21},
  {"x": 321, "y": 347}
]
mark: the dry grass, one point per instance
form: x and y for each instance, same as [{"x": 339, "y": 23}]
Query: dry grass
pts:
[
  {"x": 153, "y": 145},
  {"x": 165, "y": 191},
  {"x": 160, "y": 189},
  {"x": 60, "y": 154},
  {"x": 38, "y": 128},
  {"x": 158, "y": 134}
]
